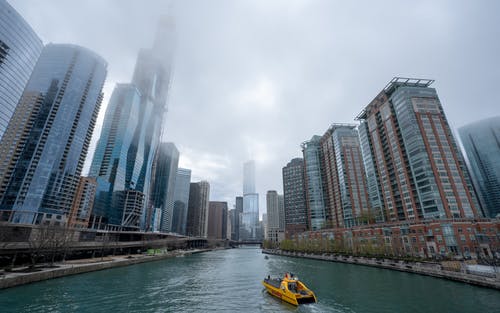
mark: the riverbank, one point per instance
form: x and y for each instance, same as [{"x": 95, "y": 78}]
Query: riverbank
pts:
[
  {"x": 20, "y": 276},
  {"x": 429, "y": 269}
]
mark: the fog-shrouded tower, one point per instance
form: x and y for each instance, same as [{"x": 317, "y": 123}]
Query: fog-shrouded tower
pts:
[
  {"x": 481, "y": 142},
  {"x": 250, "y": 215},
  {"x": 142, "y": 110},
  {"x": 51, "y": 130}
]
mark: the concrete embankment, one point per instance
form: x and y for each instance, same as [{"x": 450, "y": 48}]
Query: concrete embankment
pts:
[
  {"x": 17, "y": 277},
  {"x": 490, "y": 280}
]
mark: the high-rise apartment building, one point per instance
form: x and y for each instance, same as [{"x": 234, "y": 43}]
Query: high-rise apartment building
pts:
[
  {"x": 275, "y": 226},
  {"x": 181, "y": 200},
  {"x": 344, "y": 179},
  {"x": 110, "y": 163},
  {"x": 20, "y": 48},
  {"x": 250, "y": 215},
  {"x": 83, "y": 201},
  {"x": 236, "y": 218},
  {"x": 132, "y": 129},
  {"x": 294, "y": 197},
  {"x": 164, "y": 174},
  {"x": 49, "y": 134},
  {"x": 313, "y": 178},
  {"x": 411, "y": 157},
  {"x": 217, "y": 220},
  {"x": 481, "y": 142},
  {"x": 197, "y": 220}
]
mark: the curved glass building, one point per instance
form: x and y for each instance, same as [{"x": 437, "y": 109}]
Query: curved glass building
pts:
[
  {"x": 46, "y": 142},
  {"x": 481, "y": 142},
  {"x": 20, "y": 48}
]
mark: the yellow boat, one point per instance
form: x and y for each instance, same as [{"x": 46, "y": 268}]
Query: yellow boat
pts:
[{"x": 289, "y": 289}]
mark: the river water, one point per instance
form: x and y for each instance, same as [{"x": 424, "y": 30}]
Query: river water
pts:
[{"x": 230, "y": 281}]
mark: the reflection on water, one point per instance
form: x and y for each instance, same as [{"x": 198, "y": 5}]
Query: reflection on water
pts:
[{"x": 230, "y": 281}]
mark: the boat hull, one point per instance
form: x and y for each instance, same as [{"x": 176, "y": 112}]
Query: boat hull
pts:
[{"x": 288, "y": 296}]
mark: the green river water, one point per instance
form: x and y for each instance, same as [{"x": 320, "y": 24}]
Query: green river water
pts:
[{"x": 230, "y": 281}]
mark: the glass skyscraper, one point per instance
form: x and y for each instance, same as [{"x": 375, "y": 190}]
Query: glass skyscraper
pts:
[
  {"x": 181, "y": 200},
  {"x": 197, "y": 220},
  {"x": 49, "y": 134},
  {"x": 164, "y": 174},
  {"x": 109, "y": 164},
  {"x": 481, "y": 142},
  {"x": 250, "y": 215},
  {"x": 20, "y": 48}
]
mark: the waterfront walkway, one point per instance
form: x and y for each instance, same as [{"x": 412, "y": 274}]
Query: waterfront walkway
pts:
[
  {"x": 22, "y": 275},
  {"x": 490, "y": 279}
]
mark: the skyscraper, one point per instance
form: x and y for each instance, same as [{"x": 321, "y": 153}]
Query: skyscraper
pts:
[
  {"x": 20, "y": 48},
  {"x": 481, "y": 142},
  {"x": 217, "y": 220},
  {"x": 250, "y": 215},
  {"x": 142, "y": 117},
  {"x": 163, "y": 182},
  {"x": 294, "y": 197},
  {"x": 237, "y": 216},
  {"x": 275, "y": 226},
  {"x": 51, "y": 131},
  {"x": 344, "y": 182},
  {"x": 110, "y": 163},
  {"x": 315, "y": 197},
  {"x": 197, "y": 220},
  {"x": 181, "y": 200},
  {"x": 408, "y": 144}
]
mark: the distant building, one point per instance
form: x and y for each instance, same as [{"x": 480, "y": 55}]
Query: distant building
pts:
[
  {"x": 313, "y": 178},
  {"x": 181, "y": 200},
  {"x": 217, "y": 220},
  {"x": 197, "y": 220},
  {"x": 49, "y": 134},
  {"x": 346, "y": 196},
  {"x": 238, "y": 214},
  {"x": 164, "y": 174},
  {"x": 481, "y": 142},
  {"x": 20, "y": 48},
  {"x": 294, "y": 196},
  {"x": 250, "y": 215},
  {"x": 83, "y": 201},
  {"x": 408, "y": 144},
  {"x": 275, "y": 226}
]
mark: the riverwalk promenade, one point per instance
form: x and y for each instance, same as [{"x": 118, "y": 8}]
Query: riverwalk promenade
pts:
[
  {"x": 22, "y": 275},
  {"x": 461, "y": 273}
]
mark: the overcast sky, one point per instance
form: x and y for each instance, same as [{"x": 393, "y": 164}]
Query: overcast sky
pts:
[{"x": 254, "y": 79}]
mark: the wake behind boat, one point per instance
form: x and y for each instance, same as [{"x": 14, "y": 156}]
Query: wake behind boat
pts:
[{"x": 289, "y": 289}]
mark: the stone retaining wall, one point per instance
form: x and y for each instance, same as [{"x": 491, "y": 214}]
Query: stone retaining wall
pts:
[{"x": 429, "y": 269}]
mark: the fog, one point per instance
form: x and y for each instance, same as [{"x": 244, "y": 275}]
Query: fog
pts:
[{"x": 254, "y": 79}]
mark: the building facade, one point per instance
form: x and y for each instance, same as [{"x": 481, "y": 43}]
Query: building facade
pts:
[
  {"x": 20, "y": 48},
  {"x": 294, "y": 197},
  {"x": 344, "y": 176},
  {"x": 164, "y": 174},
  {"x": 481, "y": 143},
  {"x": 181, "y": 200},
  {"x": 197, "y": 220},
  {"x": 49, "y": 134},
  {"x": 79, "y": 216},
  {"x": 109, "y": 164},
  {"x": 408, "y": 144},
  {"x": 314, "y": 185},
  {"x": 236, "y": 218},
  {"x": 217, "y": 220},
  {"x": 274, "y": 223},
  {"x": 250, "y": 215}
]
